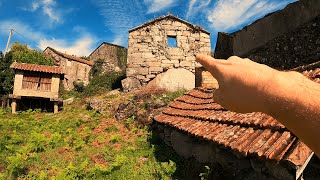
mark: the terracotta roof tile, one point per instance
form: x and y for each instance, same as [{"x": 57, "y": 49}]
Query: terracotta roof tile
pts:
[
  {"x": 251, "y": 134},
  {"x": 36, "y": 68},
  {"x": 75, "y": 58}
]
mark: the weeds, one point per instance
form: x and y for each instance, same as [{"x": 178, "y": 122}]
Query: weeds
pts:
[{"x": 35, "y": 145}]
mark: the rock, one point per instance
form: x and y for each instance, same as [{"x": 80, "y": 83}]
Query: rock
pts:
[
  {"x": 68, "y": 101},
  {"x": 130, "y": 83},
  {"x": 173, "y": 80},
  {"x": 113, "y": 92},
  {"x": 95, "y": 104}
]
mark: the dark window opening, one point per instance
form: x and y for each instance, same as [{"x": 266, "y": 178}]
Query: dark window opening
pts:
[{"x": 172, "y": 41}]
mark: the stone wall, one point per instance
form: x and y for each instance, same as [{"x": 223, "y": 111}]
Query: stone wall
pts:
[
  {"x": 296, "y": 48},
  {"x": 114, "y": 57},
  {"x": 73, "y": 70},
  {"x": 259, "y": 33},
  {"x": 150, "y": 55},
  {"x": 234, "y": 165}
]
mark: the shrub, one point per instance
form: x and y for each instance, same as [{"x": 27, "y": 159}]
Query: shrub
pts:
[
  {"x": 79, "y": 86},
  {"x": 103, "y": 82}
]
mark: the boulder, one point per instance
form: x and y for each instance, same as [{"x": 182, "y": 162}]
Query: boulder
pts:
[
  {"x": 130, "y": 83},
  {"x": 68, "y": 101},
  {"x": 173, "y": 80}
]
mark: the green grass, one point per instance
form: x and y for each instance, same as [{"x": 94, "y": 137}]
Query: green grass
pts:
[{"x": 76, "y": 144}]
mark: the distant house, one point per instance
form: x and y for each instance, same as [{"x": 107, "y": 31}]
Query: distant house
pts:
[
  {"x": 74, "y": 68},
  {"x": 167, "y": 42},
  {"x": 114, "y": 57},
  {"x": 35, "y": 86}
]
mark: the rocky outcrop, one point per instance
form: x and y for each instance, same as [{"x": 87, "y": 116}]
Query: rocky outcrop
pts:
[
  {"x": 174, "y": 80},
  {"x": 130, "y": 83}
]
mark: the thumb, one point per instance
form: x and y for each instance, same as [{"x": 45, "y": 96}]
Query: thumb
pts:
[{"x": 218, "y": 96}]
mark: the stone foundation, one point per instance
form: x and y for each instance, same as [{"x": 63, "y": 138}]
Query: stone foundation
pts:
[{"x": 234, "y": 166}]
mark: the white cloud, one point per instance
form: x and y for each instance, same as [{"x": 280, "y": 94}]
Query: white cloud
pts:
[
  {"x": 118, "y": 40},
  {"x": 52, "y": 14},
  {"x": 22, "y": 28},
  {"x": 81, "y": 46},
  {"x": 229, "y": 14},
  {"x": 48, "y": 8},
  {"x": 158, "y": 5},
  {"x": 34, "y": 6},
  {"x": 120, "y": 16},
  {"x": 195, "y": 6}
]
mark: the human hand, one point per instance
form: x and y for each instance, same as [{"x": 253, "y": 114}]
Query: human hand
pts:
[{"x": 244, "y": 86}]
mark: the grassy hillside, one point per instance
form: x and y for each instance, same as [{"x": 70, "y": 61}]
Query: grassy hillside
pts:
[{"x": 76, "y": 144}]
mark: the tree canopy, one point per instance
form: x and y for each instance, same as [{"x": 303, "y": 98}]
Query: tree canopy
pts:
[{"x": 19, "y": 53}]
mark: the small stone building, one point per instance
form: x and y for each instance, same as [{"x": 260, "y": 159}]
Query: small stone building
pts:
[
  {"x": 164, "y": 43},
  {"x": 237, "y": 146},
  {"x": 74, "y": 68},
  {"x": 35, "y": 82},
  {"x": 114, "y": 57}
]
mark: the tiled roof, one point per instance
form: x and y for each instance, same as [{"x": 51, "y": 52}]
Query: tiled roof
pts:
[
  {"x": 251, "y": 134},
  {"x": 75, "y": 58},
  {"x": 167, "y": 17},
  {"x": 37, "y": 68}
]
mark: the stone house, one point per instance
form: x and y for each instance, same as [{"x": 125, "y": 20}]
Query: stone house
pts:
[
  {"x": 35, "y": 86},
  {"x": 114, "y": 57},
  {"x": 238, "y": 146},
  {"x": 167, "y": 42},
  {"x": 251, "y": 145},
  {"x": 74, "y": 68}
]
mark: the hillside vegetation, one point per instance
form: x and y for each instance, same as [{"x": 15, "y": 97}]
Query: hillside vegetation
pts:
[{"x": 79, "y": 144}]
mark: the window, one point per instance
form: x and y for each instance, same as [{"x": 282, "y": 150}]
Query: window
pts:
[
  {"x": 36, "y": 81},
  {"x": 172, "y": 41}
]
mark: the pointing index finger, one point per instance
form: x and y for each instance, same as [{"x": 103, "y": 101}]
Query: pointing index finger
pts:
[{"x": 211, "y": 64}]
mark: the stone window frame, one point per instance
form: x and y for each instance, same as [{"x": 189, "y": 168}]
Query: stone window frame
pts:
[{"x": 172, "y": 37}]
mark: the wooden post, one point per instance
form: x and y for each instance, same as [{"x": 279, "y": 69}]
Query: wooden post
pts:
[
  {"x": 55, "y": 107},
  {"x": 14, "y": 106}
]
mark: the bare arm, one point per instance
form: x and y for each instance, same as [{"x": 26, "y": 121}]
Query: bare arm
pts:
[{"x": 246, "y": 86}]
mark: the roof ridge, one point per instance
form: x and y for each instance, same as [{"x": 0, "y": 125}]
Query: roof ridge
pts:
[
  {"x": 105, "y": 42},
  {"x": 37, "y": 68},
  {"x": 168, "y": 16},
  {"x": 72, "y": 57}
]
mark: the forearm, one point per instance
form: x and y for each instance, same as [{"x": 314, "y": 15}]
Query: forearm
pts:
[{"x": 295, "y": 102}]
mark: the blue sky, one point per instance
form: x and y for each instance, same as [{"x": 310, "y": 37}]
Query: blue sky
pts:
[{"x": 77, "y": 27}]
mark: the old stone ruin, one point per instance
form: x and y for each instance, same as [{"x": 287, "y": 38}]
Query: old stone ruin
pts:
[
  {"x": 252, "y": 145},
  {"x": 112, "y": 57},
  {"x": 166, "y": 45},
  {"x": 74, "y": 68}
]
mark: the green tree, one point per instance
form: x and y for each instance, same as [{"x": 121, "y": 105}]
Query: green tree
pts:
[
  {"x": 6, "y": 74},
  {"x": 19, "y": 53}
]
